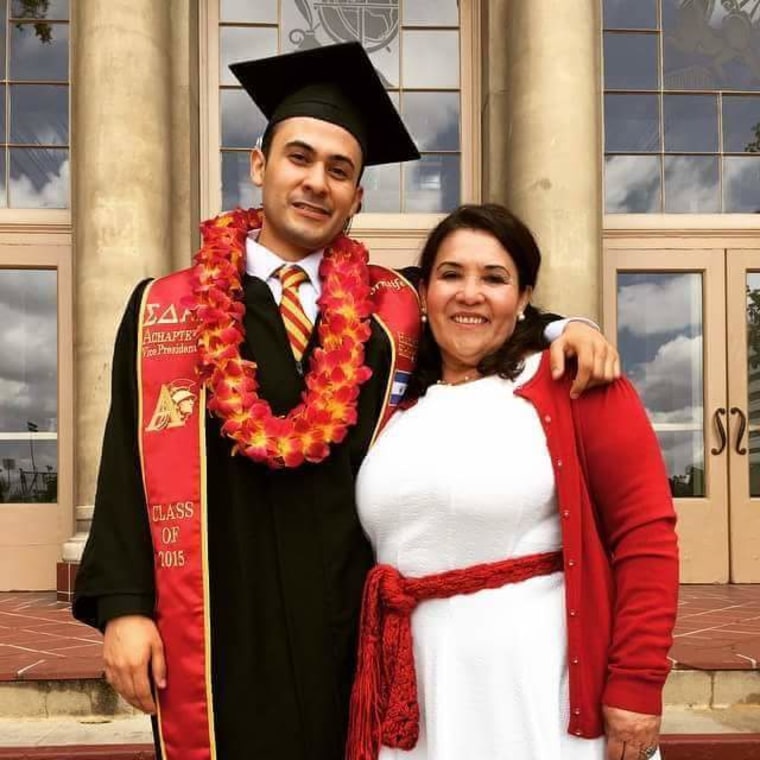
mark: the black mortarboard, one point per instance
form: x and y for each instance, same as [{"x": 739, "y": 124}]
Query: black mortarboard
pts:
[{"x": 336, "y": 83}]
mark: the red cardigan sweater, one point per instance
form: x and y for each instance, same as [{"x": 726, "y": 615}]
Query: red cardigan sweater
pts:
[{"x": 620, "y": 550}]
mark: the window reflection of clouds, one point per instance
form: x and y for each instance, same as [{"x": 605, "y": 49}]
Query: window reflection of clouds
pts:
[
  {"x": 671, "y": 383},
  {"x": 31, "y": 58},
  {"x": 431, "y": 62},
  {"x": 245, "y": 11},
  {"x": 431, "y": 59},
  {"x": 741, "y": 184},
  {"x": 624, "y": 14},
  {"x": 630, "y": 61},
  {"x": 659, "y": 304},
  {"x": 691, "y": 123},
  {"x": 39, "y": 114},
  {"x": 433, "y": 119},
  {"x": 28, "y": 345},
  {"x": 382, "y": 189},
  {"x": 430, "y": 12},
  {"x": 431, "y": 184},
  {"x": 661, "y": 344},
  {"x": 242, "y": 122},
  {"x": 237, "y": 188},
  {"x": 2, "y": 115},
  {"x": 692, "y": 184},
  {"x": 632, "y": 184},
  {"x": 39, "y": 178},
  {"x": 243, "y": 44},
  {"x": 631, "y": 123}
]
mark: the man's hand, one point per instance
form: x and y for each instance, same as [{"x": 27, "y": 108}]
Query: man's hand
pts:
[
  {"x": 630, "y": 734},
  {"x": 131, "y": 646},
  {"x": 598, "y": 360}
]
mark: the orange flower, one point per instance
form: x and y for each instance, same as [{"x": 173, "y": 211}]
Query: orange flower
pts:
[{"x": 336, "y": 369}]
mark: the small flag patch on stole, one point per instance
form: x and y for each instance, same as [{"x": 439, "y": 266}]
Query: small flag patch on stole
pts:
[{"x": 400, "y": 381}]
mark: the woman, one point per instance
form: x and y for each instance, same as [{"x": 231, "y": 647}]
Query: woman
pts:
[{"x": 526, "y": 590}]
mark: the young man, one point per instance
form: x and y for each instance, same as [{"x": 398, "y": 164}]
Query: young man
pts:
[{"x": 225, "y": 562}]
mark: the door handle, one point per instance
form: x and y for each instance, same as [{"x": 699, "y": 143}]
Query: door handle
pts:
[
  {"x": 721, "y": 431},
  {"x": 742, "y": 427}
]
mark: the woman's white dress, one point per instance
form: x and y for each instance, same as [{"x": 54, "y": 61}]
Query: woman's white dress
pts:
[{"x": 461, "y": 478}]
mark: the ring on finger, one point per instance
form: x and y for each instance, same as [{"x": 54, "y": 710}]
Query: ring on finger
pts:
[{"x": 645, "y": 753}]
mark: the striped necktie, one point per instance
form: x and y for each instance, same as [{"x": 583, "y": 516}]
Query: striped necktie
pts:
[{"x": 297, "y": 324}]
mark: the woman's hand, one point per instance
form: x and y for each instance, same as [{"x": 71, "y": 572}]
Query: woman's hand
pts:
[
  {"x": 598, "y": 360},
  {"x": 630, "y": 735}
]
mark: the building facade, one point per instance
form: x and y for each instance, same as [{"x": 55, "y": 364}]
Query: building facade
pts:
[{"x": 625, "y": 132}]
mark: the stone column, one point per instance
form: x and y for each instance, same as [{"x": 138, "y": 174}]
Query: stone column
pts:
[
  {"x": 542, "y": 136},
  {"x": 121, "y": 190}
]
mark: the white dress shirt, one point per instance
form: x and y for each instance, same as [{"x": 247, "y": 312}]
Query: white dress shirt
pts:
[{"x": 262, "y": 263}]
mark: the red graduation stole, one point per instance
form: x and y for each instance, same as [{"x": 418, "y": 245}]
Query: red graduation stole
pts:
[{"x": 171, "y": 435}]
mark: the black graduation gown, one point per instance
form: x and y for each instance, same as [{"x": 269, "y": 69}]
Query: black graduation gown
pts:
[{"x": 287, "y": 556}]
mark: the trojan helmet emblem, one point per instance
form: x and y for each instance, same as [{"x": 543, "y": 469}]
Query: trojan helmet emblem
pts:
[{"x": 176, "y": 402}]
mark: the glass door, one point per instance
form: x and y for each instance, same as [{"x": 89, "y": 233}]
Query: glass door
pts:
[
  {"x": 743, "y": 444},
  {"x": 665, "y": 309}
]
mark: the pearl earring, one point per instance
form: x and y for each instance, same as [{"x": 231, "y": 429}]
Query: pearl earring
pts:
[
  {"x": 520, "y": 316},
  {"x": 423, "y": 317}
]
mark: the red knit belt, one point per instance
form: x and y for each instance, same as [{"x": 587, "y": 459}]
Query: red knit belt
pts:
[{"x": 384, "y": 707}]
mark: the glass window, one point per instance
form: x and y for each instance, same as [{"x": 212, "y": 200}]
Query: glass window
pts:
[
  {"x": 249, "y": 11},
  {"x": 632, "y": 123},
  {"x": 708, "y": 87},
  {"x": 753, "y": 380},
  {"x": 632, "y": 184},
  {"x": 692, "y": 185},
  {"x": 660, "y": 342},
  {"x": 34, "y": 152},
  {"x": 28, "y": 386},
  {"x": 431, "y": 60},
  {"x": 711, "y": 45},
  {"x": 413, "y": 44},
  {"x": 691, "y": 123},
  {"x": 431, "y": 13},
  {"x": 624, "y": 14},
  {"x": 630, "y": 61},
  {"x": 741, "y": 184},
  {"x": 741, "y": 124}
]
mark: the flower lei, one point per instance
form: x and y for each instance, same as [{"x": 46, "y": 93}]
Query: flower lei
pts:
[{"x": 336, "y": 367}]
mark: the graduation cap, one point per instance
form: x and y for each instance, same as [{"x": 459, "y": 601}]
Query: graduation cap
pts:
[{"x": 336, "y": 83}]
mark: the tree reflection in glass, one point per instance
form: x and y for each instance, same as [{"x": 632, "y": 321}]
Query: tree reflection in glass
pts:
[{"x": 753, "y": 380}]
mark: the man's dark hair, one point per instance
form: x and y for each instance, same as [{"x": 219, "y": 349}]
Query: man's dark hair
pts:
[{"x": 528, "y": 336}]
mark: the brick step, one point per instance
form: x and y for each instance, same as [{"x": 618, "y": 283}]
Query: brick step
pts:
[
  {"x": 80, "y": 752},
  {"x": 709, "y": 747},
  {"x": 54, "y": 698},
  {"x": 78, "y": 697},
  {"x": 674, "y": 747}
]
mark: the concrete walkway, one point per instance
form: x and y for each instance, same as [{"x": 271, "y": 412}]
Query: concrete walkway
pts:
[{"x": 54, "y": 732}]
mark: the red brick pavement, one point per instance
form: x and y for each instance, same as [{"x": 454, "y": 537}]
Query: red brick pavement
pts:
[
  {"x": 39, "y": 640},
  {"x": 718, "y": 628}
]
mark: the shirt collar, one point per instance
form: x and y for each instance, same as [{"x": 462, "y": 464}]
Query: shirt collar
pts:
[{"x": 262, "y": 263}]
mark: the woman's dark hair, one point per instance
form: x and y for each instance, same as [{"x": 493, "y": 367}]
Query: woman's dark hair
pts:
[{"x": 528, "y": 336}]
